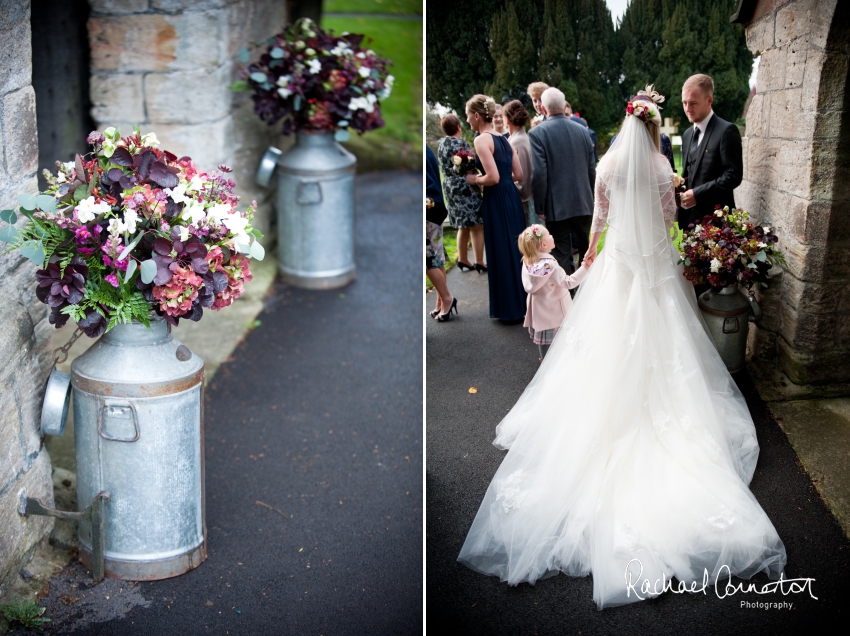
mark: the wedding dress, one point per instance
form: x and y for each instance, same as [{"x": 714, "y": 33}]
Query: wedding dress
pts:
[{"x": 632, "y": 448}]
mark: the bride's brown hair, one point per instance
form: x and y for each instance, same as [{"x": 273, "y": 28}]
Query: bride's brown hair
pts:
[
  {"x": 650, "y": 95},
  {"x": 483, "y": 105}
]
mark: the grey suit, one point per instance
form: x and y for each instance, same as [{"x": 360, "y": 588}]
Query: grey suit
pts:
[{"x": 562, "y": 179}]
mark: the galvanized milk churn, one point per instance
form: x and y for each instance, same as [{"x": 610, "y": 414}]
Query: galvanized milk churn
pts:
[
  {"x": 315, "y": 210},
  {"x": 727, "y": 314},
  {"x": 138, "y": 426}
]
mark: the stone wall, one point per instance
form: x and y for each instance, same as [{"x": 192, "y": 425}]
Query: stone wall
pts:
[
  {"x": 795, "y": 178},
  {"x": 24, "y": 330},
  {"x": 167, "y": 65}
]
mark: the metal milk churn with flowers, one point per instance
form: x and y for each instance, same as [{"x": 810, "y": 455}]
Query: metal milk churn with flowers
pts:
[
  {"x": 315, "y": 211},
  {"x": 726, "y": 314},
  {"x": 139, "y": 434},
  {"x": 321, "y": 86}
]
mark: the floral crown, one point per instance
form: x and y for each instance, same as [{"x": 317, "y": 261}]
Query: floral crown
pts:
[{"x": 645, "y": 105}]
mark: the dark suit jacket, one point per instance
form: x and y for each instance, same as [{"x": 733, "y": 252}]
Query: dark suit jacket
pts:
[
  {"x": 716, "y": 172},
  {"x": 563, "y": 171}
]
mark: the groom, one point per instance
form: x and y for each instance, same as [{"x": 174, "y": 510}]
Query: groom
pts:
[{"x": 711, "y": 154}]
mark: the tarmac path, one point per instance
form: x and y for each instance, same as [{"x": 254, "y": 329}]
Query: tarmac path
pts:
[
  {"x": 314, "y": 457},
  {"x": 499, "y": 361}
]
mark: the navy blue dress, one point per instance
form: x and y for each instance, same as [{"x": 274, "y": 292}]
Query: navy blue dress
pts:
[{"x": 504, "y": 221}]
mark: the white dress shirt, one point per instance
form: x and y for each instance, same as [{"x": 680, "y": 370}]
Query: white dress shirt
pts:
[{"x": 702, "y": 126}]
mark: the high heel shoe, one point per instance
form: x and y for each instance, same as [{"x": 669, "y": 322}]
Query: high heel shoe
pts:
[
  {"x": 434, "y": 313},
  {"x": 448, "y": 315},
  {"x": 480, "y": 268},
  {"x": 464, "y": 267}
]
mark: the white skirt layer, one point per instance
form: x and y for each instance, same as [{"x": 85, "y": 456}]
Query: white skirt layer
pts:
[{"x": 631, "y": 442}]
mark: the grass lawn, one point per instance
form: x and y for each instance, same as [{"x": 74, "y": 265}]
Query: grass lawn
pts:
[
  {"x": 400, "y": 7},
  {"x": 399, "y": 143}
]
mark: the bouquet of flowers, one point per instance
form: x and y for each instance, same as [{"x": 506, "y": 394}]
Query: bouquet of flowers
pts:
[
  {"x": 463, "y": 162},
  {"x": 315, "y": 80},
  {"x": 727, "y": 249},
  {"x": 429, "y": 203},
  {"x": 640, "y": 109},
  {"x": 130, "y": 229}
]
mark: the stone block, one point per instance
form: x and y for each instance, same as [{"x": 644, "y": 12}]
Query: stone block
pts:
[
  {"x": 117, "y": 97},
  {"x": 173, "y": 6},
  {"x": 760, "y": 35},
  {"x": 821, "y": 15},
  {"x": 208, "y": 144},
  {"x": 755, "y": 123},
  {"x": 761, "y": 344},
  {"x": 771, "y": 75},
  {"x": 812, "y": 79},
  {"x": 10, "y": 429},
  {"x": 156, "y": 42},
  {"x": 119, "y": 7},
  {"x": 748, "y": 196},
  {"x": 795, "y": 167},
  {"x": 792, "y": 22},
  {"x": 20, "y": 534},
  {"x": 829, "y": 173},
  {"x": 809, "y": 332},
  {"x": 21, "y": 147},
  {"x": 15, "y": 56},
  {"x": 250, "y": 21},
  {"x": 812, "y": 298},
  {"x": 842, "y": 330},
  {"x": 805, "y": 262},
  {"x": 795, "y": 63},
  {"x": 811, "y": 222},
  {"x": 787, "y": 119},
  {"x": 188, "y": 97},
  {"x": 745, "y": 142},
  {"x": 807, "y": 368},
  {"x": 827, "y": 124},
  {"x": 763, "y": 162}
]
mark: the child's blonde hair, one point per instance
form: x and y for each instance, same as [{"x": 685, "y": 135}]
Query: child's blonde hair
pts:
[{"x": 529, "y": 243}]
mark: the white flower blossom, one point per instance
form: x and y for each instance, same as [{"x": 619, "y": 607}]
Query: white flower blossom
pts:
[
  {"x": 363, "y": 103},
  {"x": 218, "y": 212},
  {"x": 341, "y": 48},
  {"x": 310, "y": 52},
  {"x": 361, "y": 55},
  {"x": 767, "y": 228},
  {"x": 178, "y": 194},
  {"x": 364, "y": 71},
  {"x": 184, "y": 233},
  {"x": 284, "y": 80},
  {"x": 150, "y": 140},
  {"x": 235, "y": 224},
  {"x": 762, "y": 245},
  {"x": 131, "y": 218},
  {"x": 314, "y": 65},
  {"x": 715, "y": 265},
  {"x": 87, "y": 209},
  {"x": 284, "y": 92},
  {"x": 718, "y": 213},
  {"x": 194, "y": 212},
  {"x": 60, "y": 177},
  {"x": 116, "y": 227}
]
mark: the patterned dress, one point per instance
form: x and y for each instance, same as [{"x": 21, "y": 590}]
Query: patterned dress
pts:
[{"x": 462, "y": 202}]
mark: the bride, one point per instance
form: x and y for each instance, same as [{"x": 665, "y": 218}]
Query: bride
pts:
[{"x": 636, "y": 468}]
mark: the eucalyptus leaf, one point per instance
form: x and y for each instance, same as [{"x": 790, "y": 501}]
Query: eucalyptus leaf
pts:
[
  {"x": 34, "y": 251},
  {"x": 276, "y": 53},
  {"x": 257, "y": 251},
  {"x": 148, "y": 271},
  {"x": 687, "y": 262},
  {"x": 256, "y": 233},
  {"x": 27, "y": 201},
  {"x": 343, "y": 123},
  {"x": 130, "y": 246},
  {"x": 244, "y": 56},
  {"x": 762, "y": 256},
  {"x": 9, "y": 234},
  {"x": 296, "y": 103},
  {"x": 131, "y": 269},
  {"x": 9, "y": 216},
  {"x": 342, "y": 135},
  {"x": 244, "y": 248},
  {"x": 46, "y": 202},
  {"x": 752, "y": 266},
  {"x": 258, "y": 77}
]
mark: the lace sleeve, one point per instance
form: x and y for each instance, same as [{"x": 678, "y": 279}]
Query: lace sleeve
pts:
[
  {"x": 668, "y": 196},
  {"x": 600, "y": 207}
]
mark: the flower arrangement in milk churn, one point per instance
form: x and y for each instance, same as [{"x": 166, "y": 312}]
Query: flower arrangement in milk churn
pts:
[
  {"x": 320, "y": 86},
  {"x": 731, "y": 253},
  {"x": 130, "y": 239}
]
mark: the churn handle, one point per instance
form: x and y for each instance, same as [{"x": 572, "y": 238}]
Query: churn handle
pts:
[{"x": 107, "y": 403}]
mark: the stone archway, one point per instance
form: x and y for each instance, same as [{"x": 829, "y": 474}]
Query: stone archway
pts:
[{"x": 797, "y": 176}]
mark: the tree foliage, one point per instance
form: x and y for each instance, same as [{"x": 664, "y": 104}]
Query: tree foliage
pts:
[{"x": 500, "y": 46}]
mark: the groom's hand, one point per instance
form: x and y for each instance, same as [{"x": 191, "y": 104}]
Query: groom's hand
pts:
[{"x": 688, "y": 199}]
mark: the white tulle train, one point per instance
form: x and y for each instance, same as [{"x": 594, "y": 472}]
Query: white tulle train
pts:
[{"x": 631, "y": 442}]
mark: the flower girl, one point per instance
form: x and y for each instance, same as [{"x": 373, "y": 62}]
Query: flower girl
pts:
[{"x": 547, "y": 285}]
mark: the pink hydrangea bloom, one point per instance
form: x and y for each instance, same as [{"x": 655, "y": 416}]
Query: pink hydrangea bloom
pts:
[
  {"x": 238, "y": 274},
  {"x": 177, "y": 295}
]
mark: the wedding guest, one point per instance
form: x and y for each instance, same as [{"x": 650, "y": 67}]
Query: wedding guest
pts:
[
  {"x": 711, "y": 154},
  {"x": 547, "y": 285},
  {"x": 562, "y": 178},
  {"x": 435, "y": 252},
  {"x": 499, "y": 122},
  {"x": 535, "y": 90},
  {"x": 462, "y": 202},
  {"x": 501, "y": 209},
  {"x": 516, "y": 117}
]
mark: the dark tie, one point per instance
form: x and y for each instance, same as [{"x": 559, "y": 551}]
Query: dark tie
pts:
[{"x": 693, "y": 151}]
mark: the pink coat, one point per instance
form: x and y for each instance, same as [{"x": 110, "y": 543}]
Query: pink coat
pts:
[{"x": 548, "y": 296}]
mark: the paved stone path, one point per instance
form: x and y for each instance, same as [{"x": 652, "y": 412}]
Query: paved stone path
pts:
[
  {"x": 499, "y": 361},
  {"x": 313, "y": 462}
]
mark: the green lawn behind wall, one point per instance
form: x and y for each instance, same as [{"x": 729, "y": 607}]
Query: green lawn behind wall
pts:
[
  {"x": 399, "y": 143},
  {"x": 398, "y": 7}
]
